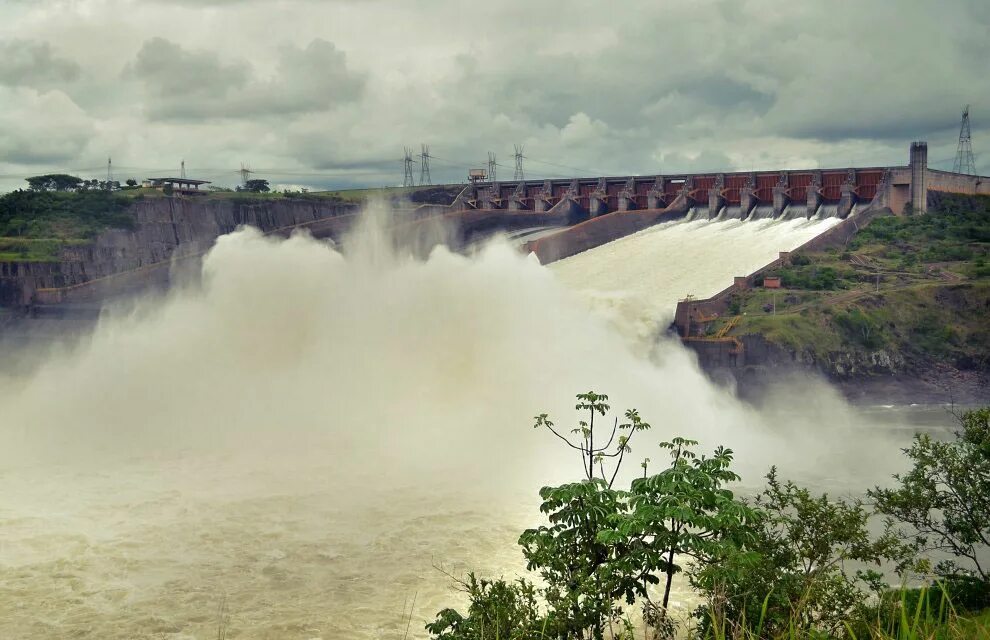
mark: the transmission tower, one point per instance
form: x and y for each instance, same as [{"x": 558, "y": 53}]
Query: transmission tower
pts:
[
  {"x": 109, "y": 173},
  {"x": 407, "y": 180},
  {"x": 245, "y": 174},
  {"x": 182, "y": 171},
  {"x": 964, "y": 153},
  {"x": 424, "y": 165},
  {"x": 492, "y": 165},
  {"x": 518, "y": 175}
]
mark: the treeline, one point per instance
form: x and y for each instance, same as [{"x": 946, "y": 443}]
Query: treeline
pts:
[
  {"x": 60, "y": 206},
  {"x": 774, "y": 566}
]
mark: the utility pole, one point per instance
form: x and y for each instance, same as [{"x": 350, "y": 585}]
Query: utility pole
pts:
[
  {"x": 518, "y": 175},
  {"x": 964, "y": 152},
  {"x": 491, "y": 166},
  {"x": 424, "y": 165},
  {"x": 407, "y": 179}
]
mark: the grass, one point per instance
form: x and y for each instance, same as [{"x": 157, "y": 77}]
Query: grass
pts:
[
  {"x": 35, "y": 249},
  {"x": 918, "y": 286},
  {"x": 909, "y": 614}
]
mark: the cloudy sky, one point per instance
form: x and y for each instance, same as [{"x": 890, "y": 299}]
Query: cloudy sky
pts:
[{"x": 327, "y": 93}]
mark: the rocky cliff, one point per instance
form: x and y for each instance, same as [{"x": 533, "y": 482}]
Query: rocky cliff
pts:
[{"x": 164, "y": 228}]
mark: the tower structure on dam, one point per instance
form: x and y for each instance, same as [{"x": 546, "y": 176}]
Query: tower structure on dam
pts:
[
  {"x": 796, "y": 193},
  {"x": 919, "y": 176}
]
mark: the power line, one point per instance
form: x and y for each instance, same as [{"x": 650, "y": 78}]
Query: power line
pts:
[
  {"x": 245, "y": 174},
  {"x": 964, "y": 152},
  {"x": 424, "y": 165},
  {"x": 407, "y": 179}
]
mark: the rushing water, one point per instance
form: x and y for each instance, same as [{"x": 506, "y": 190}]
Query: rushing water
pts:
[
  {"x": 308, "y": 434},
  {"x": 637, "y": 280}
]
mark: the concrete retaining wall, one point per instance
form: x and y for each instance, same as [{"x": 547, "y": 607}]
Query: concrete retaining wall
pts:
[
  {"x": 957, "y": 183},
  {"x": 601, "y": 230}
]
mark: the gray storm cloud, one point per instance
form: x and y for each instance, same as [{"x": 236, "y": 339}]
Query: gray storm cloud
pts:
[{"x": 336, "y": 89}]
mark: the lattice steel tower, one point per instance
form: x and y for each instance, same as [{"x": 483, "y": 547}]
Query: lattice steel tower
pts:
[
  {"x": 492, "y": 165},
  {"x": 964, "y": 153},
  {"x": 407, "y": 179},
  {"x": 424, "y": 165},
  {"x": 518, "y": 175}
]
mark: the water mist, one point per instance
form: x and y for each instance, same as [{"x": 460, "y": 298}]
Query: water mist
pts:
[{"x": 306, "y": 431}]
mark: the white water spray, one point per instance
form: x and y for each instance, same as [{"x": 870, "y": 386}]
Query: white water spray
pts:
[{"x": 308, "y": 432}]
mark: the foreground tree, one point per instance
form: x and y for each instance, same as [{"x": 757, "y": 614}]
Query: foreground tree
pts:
[
  {"x": 945, "y": 497},
  {"x": 683, "y": 512},
  {"x": 604, "y": 548},
  {"x": 586, "y": 577}
]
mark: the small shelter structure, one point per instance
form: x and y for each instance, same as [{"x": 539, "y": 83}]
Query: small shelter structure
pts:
[{"x": 181, "y": 186}]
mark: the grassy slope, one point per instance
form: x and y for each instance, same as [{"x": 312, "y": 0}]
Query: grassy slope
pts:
[{"x": 932, "y": 302}]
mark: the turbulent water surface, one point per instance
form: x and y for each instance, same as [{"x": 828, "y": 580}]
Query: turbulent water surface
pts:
[{"x": 306, "y": 437}]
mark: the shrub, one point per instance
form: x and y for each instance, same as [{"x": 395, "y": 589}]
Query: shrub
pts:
[
  {"x": 944, "y": 500},
  {"x": 860, "y": 328}
]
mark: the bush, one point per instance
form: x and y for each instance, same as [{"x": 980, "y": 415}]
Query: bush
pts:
[
  {"x": 860, "y": 328},
  {"x": 497, "y": 609},
  {"x": 788, "y": 575},
  {"x": 943, "y": 499},
  {"x": 47, "y": 214}
]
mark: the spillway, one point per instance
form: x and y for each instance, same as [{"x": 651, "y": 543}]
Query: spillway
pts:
[{"x": 637, "y": 280}]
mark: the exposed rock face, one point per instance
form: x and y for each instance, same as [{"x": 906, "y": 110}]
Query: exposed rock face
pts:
[
  {"x": 882, "y": 375},
  {"x": 164, "y": 228}
]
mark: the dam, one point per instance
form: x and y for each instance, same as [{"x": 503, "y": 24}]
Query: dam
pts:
[
  {"x": 740, "y": 195},
  {"x": 553, "y": 219}
]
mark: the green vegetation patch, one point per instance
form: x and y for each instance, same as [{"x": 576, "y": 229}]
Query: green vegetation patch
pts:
[
  {"x": 58, "y": 215},
  {"x": 915, "y": 285},
  {"x": 34, "y": 250}
]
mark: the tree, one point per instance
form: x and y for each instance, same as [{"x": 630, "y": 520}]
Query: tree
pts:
[
  {"x": 945, "y": 497},
  {"x": 604, "y": 547},
  {"x": 585, "y": 576},
  {"x": 257, "y": 186},
  {"x": 131, "y": 182},
  {"x": 683, "y": 511},
  {"x": 789, "y": 571},
  {"x": 54, "y": 182}
]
